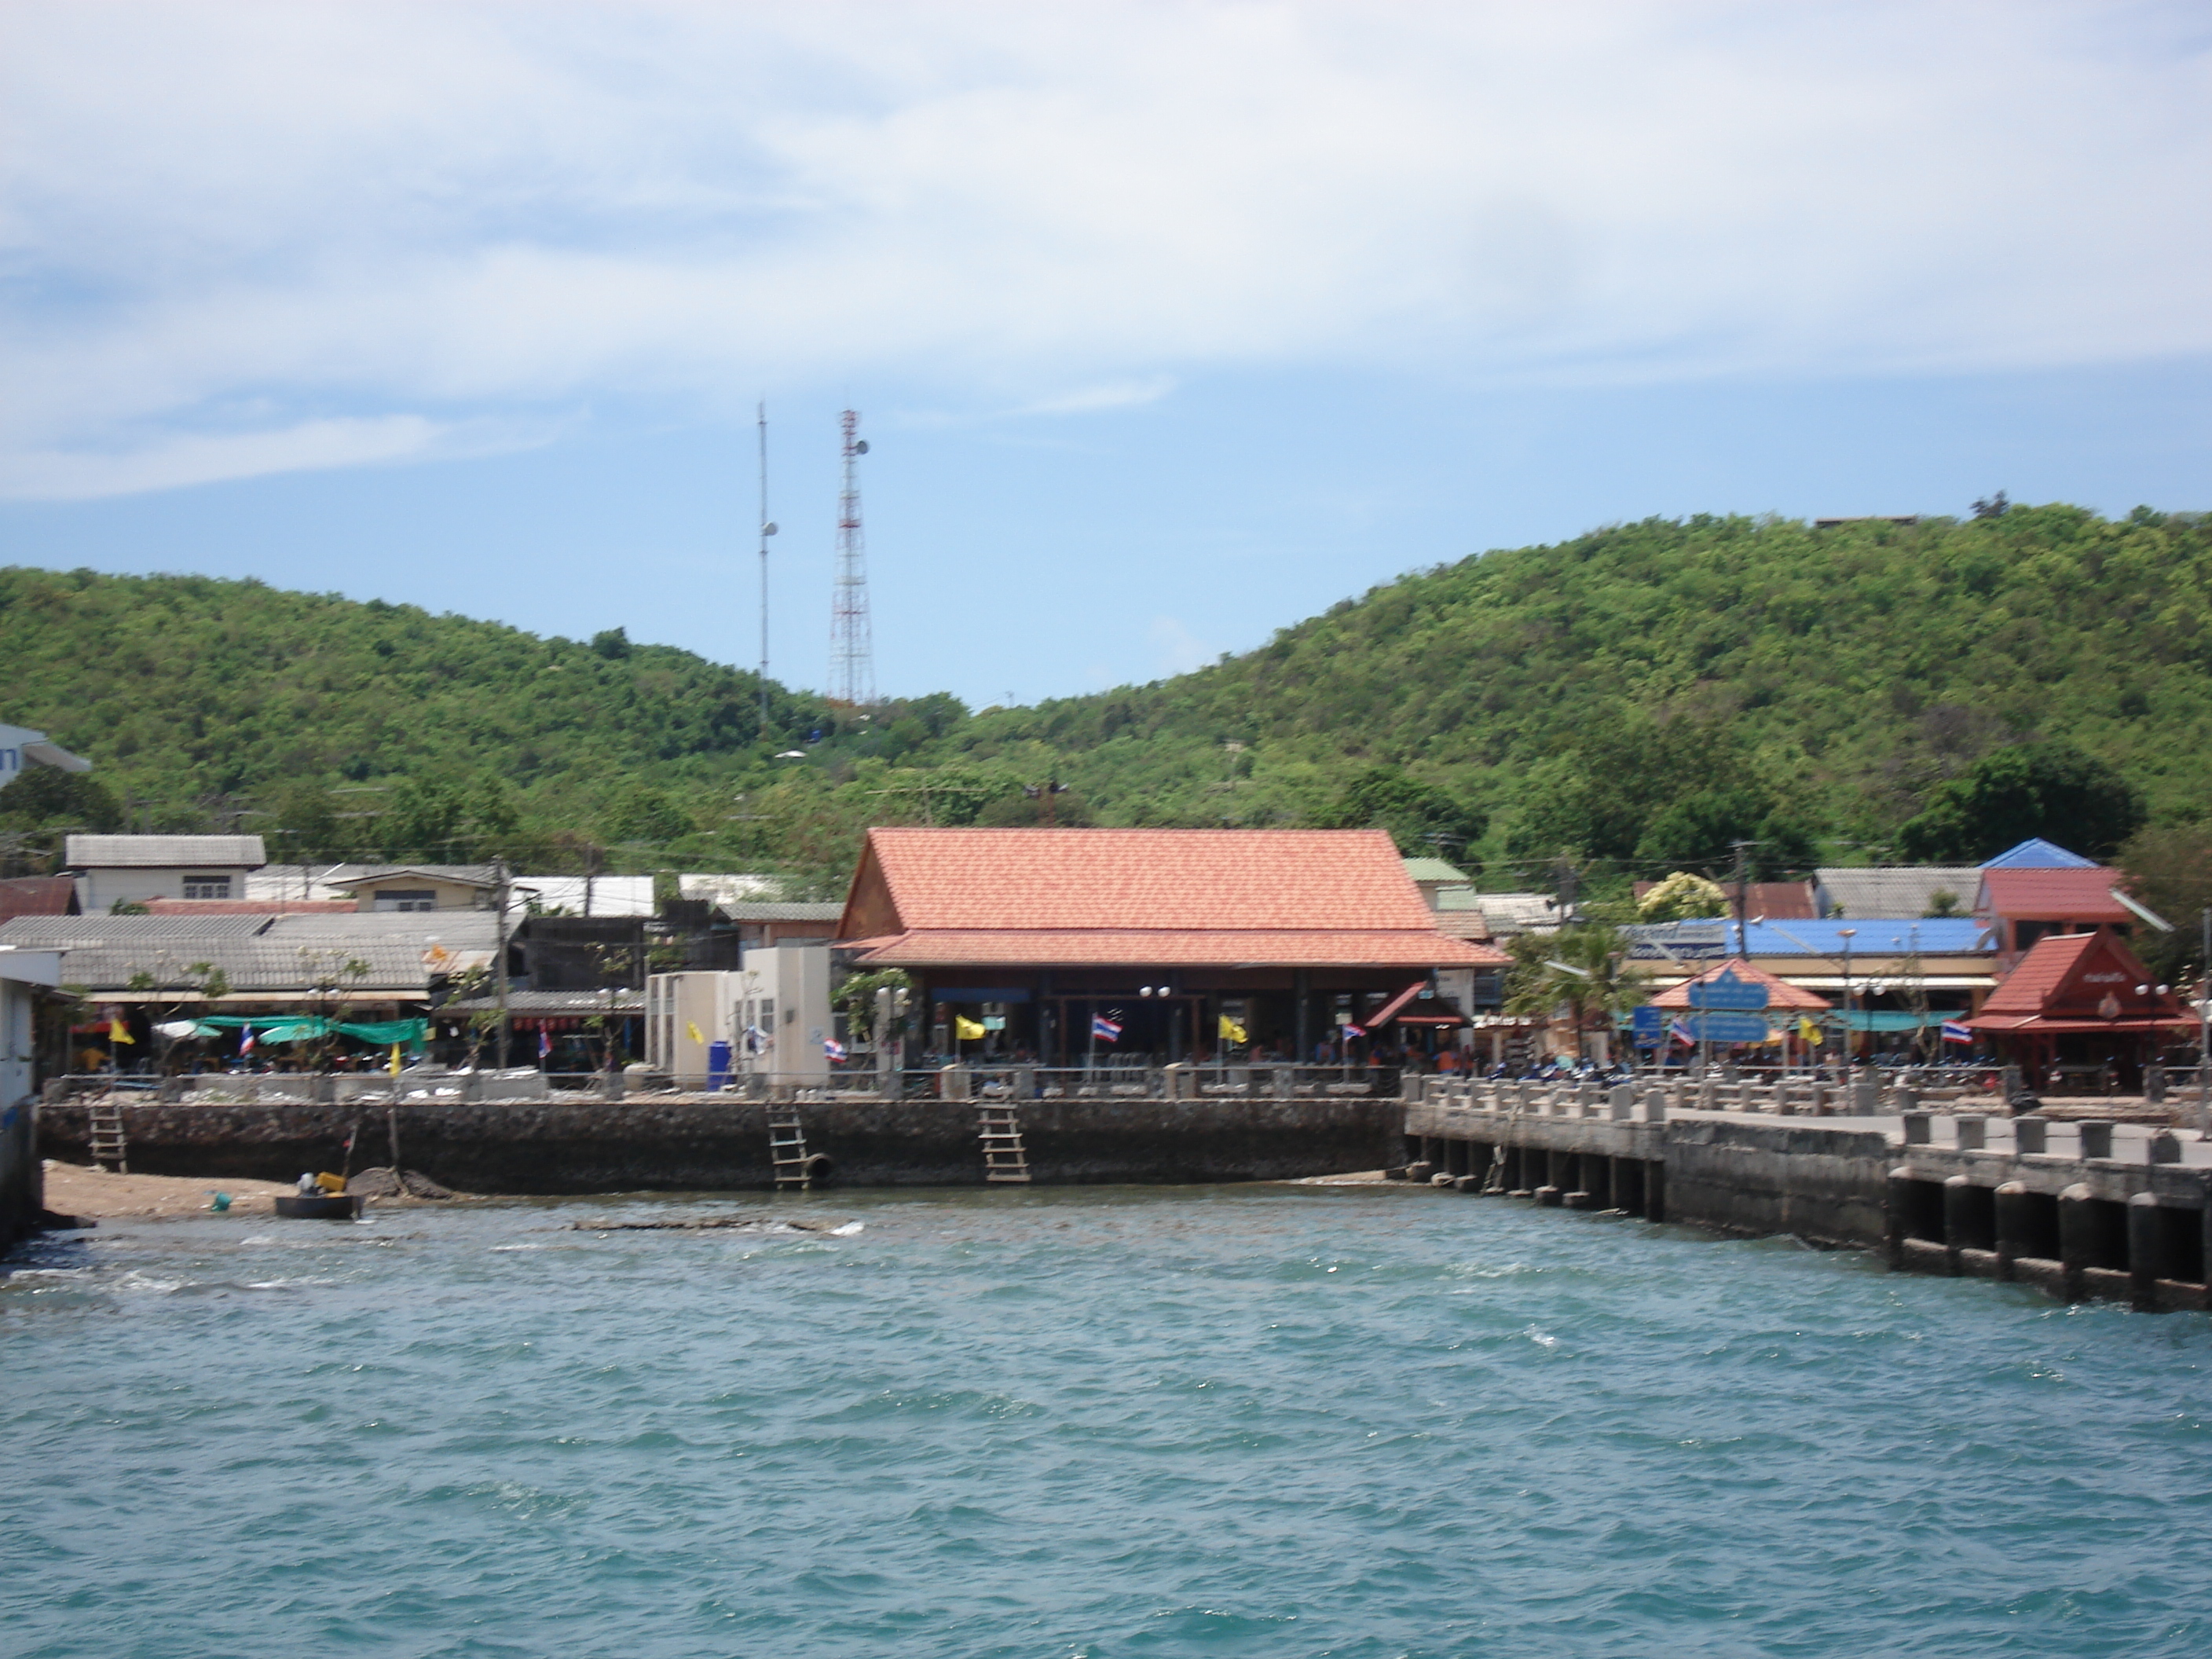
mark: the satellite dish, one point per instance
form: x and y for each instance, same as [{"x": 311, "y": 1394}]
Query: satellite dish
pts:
[
  {"x": 860, "y": 447},
  {"x": 767, "y": 530}
]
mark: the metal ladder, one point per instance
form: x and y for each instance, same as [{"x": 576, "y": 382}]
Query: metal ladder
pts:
[
  {"x": 104, "y": 1126},
  {"x": 786, "y": 1149},
  {"x": 1003, "y": 1159}
]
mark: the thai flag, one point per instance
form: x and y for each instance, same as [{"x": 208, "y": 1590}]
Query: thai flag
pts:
[
  {"x": 832, "y": 1047},
  {"x": 244, "y": 1039},
  {"x": 1957, "y": 1031},
  {"x": 1104, "y": 1029},
  {"x": 1355, "y": 1030},
  {"x": 544, "y": 1042},
  {"x": 1680, "y": 1033}
]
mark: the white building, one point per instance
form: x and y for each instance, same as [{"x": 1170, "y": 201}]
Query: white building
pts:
[{"x": 112, "y": 870}]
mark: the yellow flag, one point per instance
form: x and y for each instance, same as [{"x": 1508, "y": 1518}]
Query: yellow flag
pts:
[
  {"x": 1231, "y": 1031},
  {"x": 693, "y": 1031},
  {"x": 395, "y": 1059},
  {"x": 1807, "y": 1031},
  {"x": 967, "y": 1030},
  {"x": 117, "y": 1033}
]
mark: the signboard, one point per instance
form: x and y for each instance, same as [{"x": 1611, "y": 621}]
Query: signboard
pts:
[
  {"x": 1648, "y": 1025},
  {"x": 1728, "y": 1027},
  {"x": 1677, "y": 941},
  {"x": 1744, "y": 996}
]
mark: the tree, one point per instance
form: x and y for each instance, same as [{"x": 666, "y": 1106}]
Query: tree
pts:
[
  {"x": 1421, "y": 817},
  {"x": 1583, "y": 969},
  {"x": 857, "y": 998},
  {"x": 2170, "y": 870},
  {"x": 2048, "y": 789},
  {"x": 1683, "y": 897},
  {"x": 646, "y": 814}
]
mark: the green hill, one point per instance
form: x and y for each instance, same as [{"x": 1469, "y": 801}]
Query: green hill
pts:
[{"x": 1636, "y": 698}]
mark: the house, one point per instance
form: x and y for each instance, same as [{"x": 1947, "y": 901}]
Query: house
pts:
[
  {"x": 37, "y": 896},
  {"x": 416, "y": 887},
  {"x": 2082, "y": 999},
  {"x": 1169, "y": 942},
  {"x": 2036, "y": 889},
  {"x": 112, "y": 870},
  {"x": 761, "y": 925}
]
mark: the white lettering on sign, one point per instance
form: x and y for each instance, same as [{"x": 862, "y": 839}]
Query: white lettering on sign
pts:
[{"x": 2104, "y": 978}]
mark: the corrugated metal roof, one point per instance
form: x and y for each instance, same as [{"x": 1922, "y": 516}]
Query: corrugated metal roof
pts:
[
  {"x": 2037, "y": 854},
  {"x": 827, "y": 912},
  {"x": 164, "y": 852},
  {"x": 36, "y": 895},
  {"x": 1937, "y": 936},
  {"x": 53, "y": 932},
  {"x": 1433, "y": 870},
  {"x": 472, "y": 875},
  {"x": 1900, "y": 892}
]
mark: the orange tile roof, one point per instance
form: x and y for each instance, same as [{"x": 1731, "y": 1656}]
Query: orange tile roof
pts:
[
  {"x": 2040, "y": 972},
  {"x": 1780, "y": 992},
  {"x": 1046, "y": 947},
  {"x": 2051, "y": 895},
  {"x": 1203, "y": 879}
]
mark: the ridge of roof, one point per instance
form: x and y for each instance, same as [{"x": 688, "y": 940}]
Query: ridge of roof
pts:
[{"x": 2037, "y": 854}]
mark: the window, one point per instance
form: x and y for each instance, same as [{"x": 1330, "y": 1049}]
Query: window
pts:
[
  {"x": 206, "y": 887},
  {"x": 406, "y": 898}
]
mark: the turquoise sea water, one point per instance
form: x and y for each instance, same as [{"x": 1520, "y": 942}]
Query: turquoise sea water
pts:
[{"x": 1220, "y": 1421}]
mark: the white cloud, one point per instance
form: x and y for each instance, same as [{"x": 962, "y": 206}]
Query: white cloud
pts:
[
  {"x": 1176, "y": 649},
  {"x": 470, "y": 211}
]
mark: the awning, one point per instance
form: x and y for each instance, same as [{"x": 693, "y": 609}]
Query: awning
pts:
[
  {"x": 1432, "y": 1019},
  {"x": 1389, "y": 1010}
]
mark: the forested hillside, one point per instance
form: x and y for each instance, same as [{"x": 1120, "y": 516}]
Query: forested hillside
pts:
[{"x": 1634, "y": 700}]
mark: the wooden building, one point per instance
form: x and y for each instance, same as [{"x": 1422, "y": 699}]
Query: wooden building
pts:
[
  {"x": 2081, "y": 1001},
  {"x": 1191, "y": 942}
]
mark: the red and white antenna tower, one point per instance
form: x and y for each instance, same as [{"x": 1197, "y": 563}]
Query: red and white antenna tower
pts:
[{"x": 852, "y": 647}]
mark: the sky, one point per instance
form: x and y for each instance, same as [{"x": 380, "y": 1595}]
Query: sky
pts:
[{"x": 1169, "y": 324}]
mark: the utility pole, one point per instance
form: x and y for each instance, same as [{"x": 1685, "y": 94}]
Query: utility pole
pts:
[
  {"x": 499, "y": 968},
  {"x": 767, "y": 530},
  {"x": 2204, "y": 1032},
  {"x": 1848, "y": 935},
  {"x": 1742, "y": 893},
  {"x": 852, "y": 648}
]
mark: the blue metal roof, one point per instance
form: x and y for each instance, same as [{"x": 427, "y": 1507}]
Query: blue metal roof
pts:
[
  {"x": 2037, "y": 854},
  {"x": 1941, "y": 936}
]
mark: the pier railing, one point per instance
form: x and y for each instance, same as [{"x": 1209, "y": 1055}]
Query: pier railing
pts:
[{"x": 953, "y": 1083}]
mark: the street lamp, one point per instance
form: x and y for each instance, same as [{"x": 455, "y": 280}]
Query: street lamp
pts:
[{"x": 1847, "y": 934}]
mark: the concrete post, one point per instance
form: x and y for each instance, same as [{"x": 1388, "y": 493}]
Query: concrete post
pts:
[
  {"x": 2096, "y": 1139},
  {"x": 1894, "y": 1221},
  {"x": 1409, "y": 1087},
  {"x": 1919, "y": 1130},
  {"x": 2031, "y": 1134},
  {"x": 1025, "y": 1083},
  {"x": 2155, "y": 1083},
  {"x": 1655, "y": 1105},
  {"x": 952, "y": 1082},
  {"x": 1622, "y": 1102},
  {"x": 1866, "y": 1097},
  {"x": 2163, "y": 1148},
  {"x": 2012, "y": 1239},
  {"x": 2076, "y": 1237},
  {"x": 2146, "y": 1251},
  {"x": 1902, "y": 1099},
  {"x": 1973, "y": 1133}
]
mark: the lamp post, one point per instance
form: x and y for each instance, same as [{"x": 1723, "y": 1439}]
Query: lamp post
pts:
[{"x": 1847, "y": 934}]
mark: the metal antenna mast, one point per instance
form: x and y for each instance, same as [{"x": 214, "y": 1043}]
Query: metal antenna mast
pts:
[
  {"x": 852, "y": 649},
  {"x": 767, "y": 530}
]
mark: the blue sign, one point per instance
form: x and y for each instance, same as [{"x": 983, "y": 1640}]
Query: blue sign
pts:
[
  {"x": 1730, "y": 992},
  {"x": 1728, "y": 1028},
  {"x": 1649, "y": 1025}
]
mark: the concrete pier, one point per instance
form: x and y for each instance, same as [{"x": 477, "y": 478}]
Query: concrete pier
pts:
[{"x": 2119, "y": 1212}]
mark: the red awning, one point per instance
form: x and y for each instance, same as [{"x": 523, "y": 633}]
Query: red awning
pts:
[
  {"x": 1389, "y": 1010},
  {"x": 1432, "y": 1019},
  {"x": 2036, "y": 1025}
]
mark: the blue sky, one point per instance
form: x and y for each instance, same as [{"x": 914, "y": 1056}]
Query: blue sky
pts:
[{"x": 1169, "y": 325}]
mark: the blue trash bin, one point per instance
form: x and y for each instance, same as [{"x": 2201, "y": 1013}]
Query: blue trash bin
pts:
[{"x": 718, "y": 1064}]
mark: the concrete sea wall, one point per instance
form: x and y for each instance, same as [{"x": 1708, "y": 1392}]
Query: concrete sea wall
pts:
[
  {"x": 23, "y": 1193},
  {"x": 2079, "y": 1223},
  {"x": 675, "y": 1143}
]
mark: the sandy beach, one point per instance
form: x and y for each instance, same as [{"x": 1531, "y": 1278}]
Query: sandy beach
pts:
[{"x": 101, "y": 1195}]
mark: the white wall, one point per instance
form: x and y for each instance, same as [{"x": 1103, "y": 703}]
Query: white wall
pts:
[{"x": 795, "y": 980}]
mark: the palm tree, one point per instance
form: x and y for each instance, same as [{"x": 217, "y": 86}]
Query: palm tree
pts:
[{"x": 1583, "y": 969}]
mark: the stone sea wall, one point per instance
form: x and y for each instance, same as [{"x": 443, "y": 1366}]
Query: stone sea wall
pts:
[{"x": 676, "y": 1143}]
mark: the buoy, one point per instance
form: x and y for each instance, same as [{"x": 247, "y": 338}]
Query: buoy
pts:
[{"x": 221, "y": 1202}]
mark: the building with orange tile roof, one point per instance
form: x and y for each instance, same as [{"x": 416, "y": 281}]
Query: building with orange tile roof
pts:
[
  {"x": 2082, "y": 999},
  {"x": 1178, "y": 937}
]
